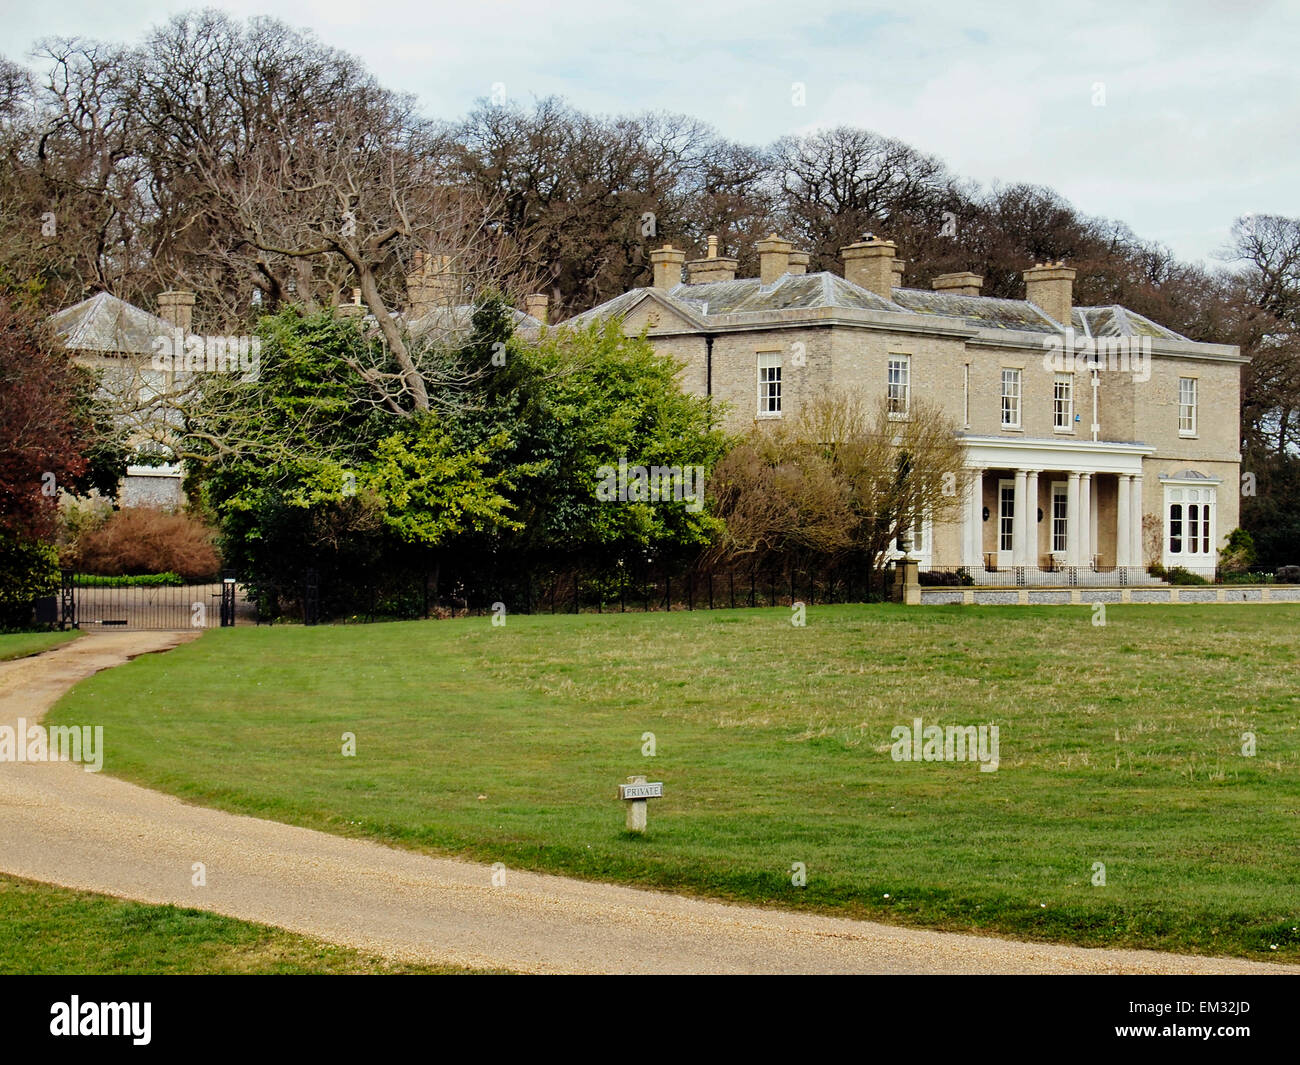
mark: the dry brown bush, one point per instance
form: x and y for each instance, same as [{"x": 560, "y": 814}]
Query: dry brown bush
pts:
[{"x": 138, "y": 540}]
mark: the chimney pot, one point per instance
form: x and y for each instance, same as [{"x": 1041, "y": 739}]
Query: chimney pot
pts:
[{"x": 714, "y": 267}]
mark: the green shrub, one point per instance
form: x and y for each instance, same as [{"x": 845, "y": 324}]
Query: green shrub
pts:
[
  {"x": 143, "y": 580},
  {"x": 945, "y": 578},
  {"x": 1238, "y": 554},
  {"x": 78, "y": 518},
  {"x": 1248, "y": 578},
  {"x": 1178, "y": 575},
  {"x": 29, "y": 569}
]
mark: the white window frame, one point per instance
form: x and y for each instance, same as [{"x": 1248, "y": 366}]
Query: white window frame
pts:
[
  {"x": 1187, "y": 412},
  {"x": 1014, "y": 375},
  {"x": 770, "y": 360},
  {"x": 1199, "y": 551},
  {"x": 903, "y": 362},
  {"x": 1066, "y": 411}
]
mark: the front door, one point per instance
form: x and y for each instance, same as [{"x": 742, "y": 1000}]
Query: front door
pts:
[
  {"x": 1006, "y": 522},
  {"x": 1060, "y": 519}
]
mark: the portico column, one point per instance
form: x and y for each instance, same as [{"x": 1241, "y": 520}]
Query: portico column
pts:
[
  {"x": 1085, "y": 519},
  {"x": 1018, "y": 522},
  {"x": 975, "y": 520},
  {"x": 1072, "y": 521},
  {"x": 1123, "y": 522},
  {"x": 1031, "y": 519},
  {"x": 1135, "y": 521}
]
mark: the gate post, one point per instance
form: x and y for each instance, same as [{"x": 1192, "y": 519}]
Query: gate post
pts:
[
  {"x": 67, "y": 600},
  {"x": 311, "y": 598},
  {"x": 227, "y": 600}
]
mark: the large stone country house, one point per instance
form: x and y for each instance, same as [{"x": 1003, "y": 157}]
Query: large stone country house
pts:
[
  {"x": 1065, "y": 462},
  {"x": 115, "y": 339},
  {"x": 119, "y": 342}
]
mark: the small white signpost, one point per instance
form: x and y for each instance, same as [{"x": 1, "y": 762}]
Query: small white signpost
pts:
[{"x": 635, "y": 793}]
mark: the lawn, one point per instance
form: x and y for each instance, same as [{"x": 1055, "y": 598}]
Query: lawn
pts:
[
  {"x": 1119, "y": 744},
  {"x": 53, "y": 931},
  {"x": 22, "y": 644}
]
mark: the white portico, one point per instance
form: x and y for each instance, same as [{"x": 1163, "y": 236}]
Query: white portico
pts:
[{"x": 1052, "y": 504}]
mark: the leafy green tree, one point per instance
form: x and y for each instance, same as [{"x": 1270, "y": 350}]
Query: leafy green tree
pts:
[
  {"x": 430, "y": 491},
  {"x": 302, "y": 469},
  {"x": 561, "y": 409}
]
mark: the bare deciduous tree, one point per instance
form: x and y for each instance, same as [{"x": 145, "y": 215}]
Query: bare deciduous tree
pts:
[{"x": 842, "y": 477}]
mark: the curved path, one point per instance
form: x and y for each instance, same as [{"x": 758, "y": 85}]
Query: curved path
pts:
[{"x": 63, "y": 825}]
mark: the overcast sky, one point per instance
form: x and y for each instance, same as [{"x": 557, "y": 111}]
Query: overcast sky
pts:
[{"x": 1174, "y": 118}]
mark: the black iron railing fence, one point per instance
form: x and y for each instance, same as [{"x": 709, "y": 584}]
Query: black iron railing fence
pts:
[{"x": 314, "y": 597}]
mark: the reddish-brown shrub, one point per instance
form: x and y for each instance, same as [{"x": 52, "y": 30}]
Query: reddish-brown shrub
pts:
[{"x": 138, "y": 540}]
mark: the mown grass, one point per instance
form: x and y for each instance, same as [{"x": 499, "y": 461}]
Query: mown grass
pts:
[
  {"x": 22, "y": 644},
  {"x": 1120, "y": 744},
  {"x": 51, "y": 930}
]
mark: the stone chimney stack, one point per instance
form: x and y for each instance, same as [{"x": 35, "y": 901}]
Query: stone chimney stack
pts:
[
  {"x": 430, "y": 284},
  {"x": 1050, "y": 287},
  {"x": 177, "y": 309},
  {"x": 355, "y": 309},
  {"x": 773, "y": 259},
  {"x": 870, "y": 264},
  {"x": 667, "y": 262},
  {"x": 799, "y": 262},
  {"x": 962, "y": 284},
  {"x": 536, "y": 305},
  {"x": 899, "y": 265},
  {"x": 711, "y": 268}
]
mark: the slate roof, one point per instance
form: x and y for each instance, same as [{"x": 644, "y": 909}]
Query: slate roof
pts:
[
  {"x": 827, "y": 290},
  {"x": 750, "y": 295},
  {"x": 1117, "y": 321},
  {"x": 985, "y": 312},
  {"x": 109, "y": 325},
  {"x": 789, "y": 292},
  {"x": 616, "y": 307},
  {"x": 460, "y": 319}
]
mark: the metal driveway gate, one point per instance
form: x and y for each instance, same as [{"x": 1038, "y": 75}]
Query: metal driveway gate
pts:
[{"x": 98, "y": 603}]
